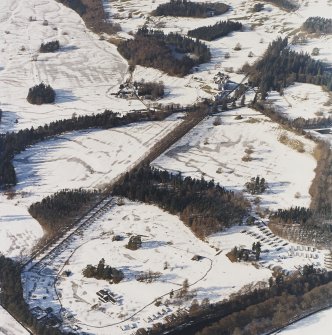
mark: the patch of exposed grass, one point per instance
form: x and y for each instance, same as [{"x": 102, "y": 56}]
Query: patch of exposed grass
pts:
[{"x": 292, "y": 143}]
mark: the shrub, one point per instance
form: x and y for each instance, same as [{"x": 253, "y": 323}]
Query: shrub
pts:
[
  {"x": 50, "y": 46},
  {"x": 41, "y": 94}
]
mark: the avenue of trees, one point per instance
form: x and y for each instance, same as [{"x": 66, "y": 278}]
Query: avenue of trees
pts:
[
  {"x": 166, "y": 52},
  {"x": 202, "y": 205},
  {"x": 190, "y": 9},
  {"x": 220, "y": 29}
]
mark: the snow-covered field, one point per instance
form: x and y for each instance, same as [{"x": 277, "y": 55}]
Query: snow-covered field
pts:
[
  {"x": 303, "y": 100},
  {"x": 88, "y": 159},
  {"x": 319, "y": 323},
  {"x": 82, "y": 72},
  {"x": 9, "y": 326},
  {"x": 217, "y": 152},
  {"x": 165, "y": 239}
]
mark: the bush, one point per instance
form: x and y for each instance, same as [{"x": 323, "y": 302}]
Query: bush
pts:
[
  {"x": 258, "y": 7},
  {"x": 50, "y": 46},
  {"x": 41, "y": 94}
]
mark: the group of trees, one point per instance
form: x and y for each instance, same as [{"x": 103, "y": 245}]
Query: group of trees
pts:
[
  {"x": 204, "y": 206},
  {"x": 190, "y": 9},
  {"x": 292, "y": 215},
  {"x": 41, "y": 94},
  {"x": 220, "y": 29},
  {"x": 242, "y": 254},
  {"x": 256, "y": 185},
  {"x": 50, "y": 46},
  {"x": 59, "y": 211},
  {"x": 280, "y": 67},
  {"x": 154, "y": 90},
  {"x": 167, "y": 52},
  {"x": 14, "y": 143},
  {"x": 103, "y": 271},
  {"x": 148, "y": 276},
  {"x": 316, "y": 24}
]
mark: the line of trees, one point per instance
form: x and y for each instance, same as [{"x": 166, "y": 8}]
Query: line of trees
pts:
[
  {"x": 166, "y": 52},
  {"x": 190, "y": 9},
  {"x": 280, "y": 66},
  {"x": 14, "y": 143},
  {"x": 202, "y": 205},
  {"x": 317, "y": 24},
  {"x": 220, "y": 29}
]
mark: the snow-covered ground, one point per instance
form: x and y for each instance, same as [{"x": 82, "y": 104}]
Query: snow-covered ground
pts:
[
  {"x": 303, "y": 100},
  {"x": 82, "y": 72},
  {"x": 88, "y": 159},
  {"x": 9, "y": 326},
  {"x": 259, "y": 30},
  {"x": 319, "y": 323},
  {"x": 217, "y": 152},
  {"x": 165, "y": 239}
]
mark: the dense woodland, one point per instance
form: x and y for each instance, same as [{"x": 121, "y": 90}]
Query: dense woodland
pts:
[
  {"x": 166, "y": 52},
  {"x": 14, "y": 143},
  {"x": 287, "y": 5},
  {"x": 280, "y": 66},
  {"x": 202, "y": 205},
  {"x": 190, "y": 9},
  {"x": 93, "y": 14},
  {"x": 318, "y": 25},
  {"x": 41, "y": 94},
  {"x": 220, "y": 29},
  {"x": 57, "y": 212}
]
